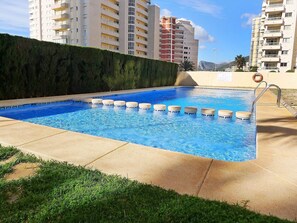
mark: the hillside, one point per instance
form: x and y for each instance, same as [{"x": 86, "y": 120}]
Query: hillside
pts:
[{"x": 210, "y": 66}]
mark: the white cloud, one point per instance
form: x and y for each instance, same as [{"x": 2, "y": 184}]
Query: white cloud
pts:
[
  {"x": 14, "y": 16},
  {"x": 165, "y": 12},
  {"x": 201, "y": 33},
  {"x": 201, "y": 6},
  {"x": 249, "y": 19},
  {"x": 202, "y": 47}
]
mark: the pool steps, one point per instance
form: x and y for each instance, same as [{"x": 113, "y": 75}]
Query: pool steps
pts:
[{"x": 190, "y": 110}]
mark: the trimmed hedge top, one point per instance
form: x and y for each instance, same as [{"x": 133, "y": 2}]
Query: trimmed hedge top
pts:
[{"x": 32, "y": 68}]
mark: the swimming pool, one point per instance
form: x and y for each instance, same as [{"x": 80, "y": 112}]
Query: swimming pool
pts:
[{"x": 213, "y": 137}]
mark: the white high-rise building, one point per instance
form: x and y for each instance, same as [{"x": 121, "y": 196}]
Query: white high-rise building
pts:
[
  {"x": 277, "y": 46},
  {"x": 178, "y": 41},
  {"x": 255, "y": 42},
  {"x": 117, "y": 25}
]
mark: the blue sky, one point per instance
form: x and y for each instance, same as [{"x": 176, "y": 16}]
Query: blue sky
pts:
[{"x": 222, "y": 26}]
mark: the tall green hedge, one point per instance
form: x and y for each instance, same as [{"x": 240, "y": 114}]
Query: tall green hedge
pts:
[{"x": 31, "y": 68}]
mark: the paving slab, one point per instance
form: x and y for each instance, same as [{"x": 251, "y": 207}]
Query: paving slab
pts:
[
  {"x": 7, "y": 121},
  {"x": 170, "y": 170},
  {"x": 263, "y": 191},
  {"x": 75, "y": 148},
  {"x": 22, "y": 132}
]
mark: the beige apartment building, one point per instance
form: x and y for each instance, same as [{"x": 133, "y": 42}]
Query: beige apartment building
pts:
[
  {"x": 125, "y": 26},
  {"x": 178, "y": 41},
  {"x": 276, "y": 49},
  {"x": 255, "y": 42}
]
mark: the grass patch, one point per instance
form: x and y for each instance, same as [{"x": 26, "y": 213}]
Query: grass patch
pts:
[
  {"x": 7, "y": 152},
  {"x": 63, "y": 193}
]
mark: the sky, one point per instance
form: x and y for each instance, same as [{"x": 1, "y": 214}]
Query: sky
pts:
[{"x": 223, "y": 27}]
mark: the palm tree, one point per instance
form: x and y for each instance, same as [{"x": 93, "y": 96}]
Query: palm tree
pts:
[
  {"x": 186, "y": 66},
  {"x": 240, "y": 61}
]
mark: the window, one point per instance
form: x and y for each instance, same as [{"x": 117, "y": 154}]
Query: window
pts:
[
  {"x": 283, "y": 64},
  {"x": 288, "y": 14},
  {"x": 286, "y": 40},
  {"x": 284, "y": 52},
  {"x": 131, "y": 11},
  {"x": 130, "y": 46},
  {"x": 131, "y": 20},
  {"x": 131, "y": 2},
  {"x": 287, "y": 27},
  {"x": 130, "y": 37},
  {"x": 130, "y": 28}
]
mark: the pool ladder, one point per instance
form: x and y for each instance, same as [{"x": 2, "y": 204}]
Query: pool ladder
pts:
[{"x": 267, "y": 86}]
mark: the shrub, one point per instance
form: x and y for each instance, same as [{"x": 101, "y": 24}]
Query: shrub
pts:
[
  {"x": 290, "y": 71},
  {"x": 31, "y": 68}
]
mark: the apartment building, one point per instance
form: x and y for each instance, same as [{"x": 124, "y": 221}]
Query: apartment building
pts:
[
  {"x": 277, "y": 47},
  {"x": 255, "y": 42},
  {"x": 116, "y": 25},
  {"x": 177, "y": 41}
]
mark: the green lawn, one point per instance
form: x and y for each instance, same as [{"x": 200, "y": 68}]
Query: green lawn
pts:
[{"x": 63, "y": 193}]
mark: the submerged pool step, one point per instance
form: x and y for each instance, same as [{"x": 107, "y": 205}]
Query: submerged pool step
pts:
[
  {"x": 225, "y": 114},
  {"x": 145, "y": 106},
  {"x": 108, "y": 102},
  {"x": 159, "y": 107},
  {"x": 208, "y": 111},
  {"x": 190, "y": 110},
  {"x": 132, "y": 104},
  {"x": 119, "y": 103}
]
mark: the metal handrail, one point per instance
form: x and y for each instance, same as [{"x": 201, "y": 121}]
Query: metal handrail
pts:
[
  {"x": 279, "y": 94},
  {"x": 260, "y": 84}
]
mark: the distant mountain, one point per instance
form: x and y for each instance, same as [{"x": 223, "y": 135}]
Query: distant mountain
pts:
[{"x": 210, "y": 66}]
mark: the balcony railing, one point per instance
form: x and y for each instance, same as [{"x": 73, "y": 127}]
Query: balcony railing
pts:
[
  {"x": 272, "y": 44},
  {"x": 271, "y": 56},
  {"x": 274, "y": 18},
  {"x": 272, "y": 31},
  {"x": 275, "y": 5}
]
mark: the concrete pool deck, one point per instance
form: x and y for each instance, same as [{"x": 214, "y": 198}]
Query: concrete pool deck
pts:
[{"x": 267, "y": 185}]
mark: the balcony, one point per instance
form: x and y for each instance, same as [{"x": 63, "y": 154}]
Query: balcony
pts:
[
  {"x": 142, "y": 26},
  {"x": 110, "y": 23},
  {"x": 112, "y": 5},
  {"x": 271, "y": 58},
  {"x": 61, "y": 27},
  {"x": 140, "y": 40},
  {"x": 270, "y": 68},
  {"x": 60, "y": 6},
  {"x": 111, "y": 14},
  {"x": 142, "y": 19},
  {"x": 142, "y": 11},
  {"x": 111, "y": 32},
  {"x": 273, "y": 33},
  {"x": 271, "y": 46},
  {"x": 275, "y": 8},
  {"x": 141, "y": 48},
  {"x": 143, "y": 3},
  {"x": 277, "y": 21},
  {"x": 141, "y": 33},
  {"x": 110, "y": 42},
  {"x": 61, "y": 17}
]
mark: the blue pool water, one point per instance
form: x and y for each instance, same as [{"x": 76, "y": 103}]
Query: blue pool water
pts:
[{"x": 213, "y": 137}]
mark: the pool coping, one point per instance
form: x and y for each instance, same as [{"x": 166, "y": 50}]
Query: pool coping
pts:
[{"x": 186, "y": 174}]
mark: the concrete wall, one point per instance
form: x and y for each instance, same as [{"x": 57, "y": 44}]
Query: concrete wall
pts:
[{"x": 235, "y": 79}]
